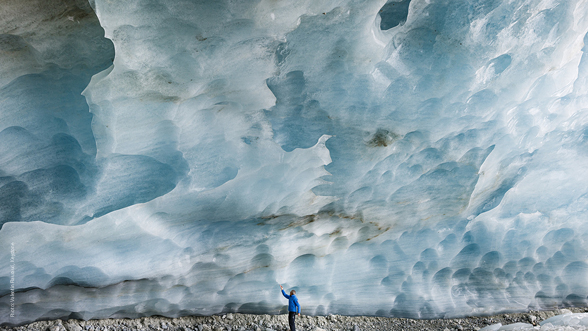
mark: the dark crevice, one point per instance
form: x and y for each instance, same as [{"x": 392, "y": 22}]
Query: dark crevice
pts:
[{"x": 393, "y": 13}]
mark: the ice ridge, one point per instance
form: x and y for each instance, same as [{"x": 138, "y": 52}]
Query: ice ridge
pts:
[{"x": 419, "y": 159}]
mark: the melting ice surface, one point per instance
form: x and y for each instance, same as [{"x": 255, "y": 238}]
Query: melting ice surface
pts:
[{"x": 405, "y": 158}]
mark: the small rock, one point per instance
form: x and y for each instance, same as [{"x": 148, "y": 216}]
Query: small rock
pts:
[
  {"x": 57, "y": 327},
  {"x": 73, "y": 327},
  {"x": 229, "y": 316}
]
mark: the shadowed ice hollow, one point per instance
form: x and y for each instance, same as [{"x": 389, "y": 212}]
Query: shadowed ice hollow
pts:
[{"x": 420, "y": 159}]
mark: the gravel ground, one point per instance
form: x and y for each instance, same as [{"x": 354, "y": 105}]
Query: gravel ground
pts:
[{"x": 243, "y": 322}]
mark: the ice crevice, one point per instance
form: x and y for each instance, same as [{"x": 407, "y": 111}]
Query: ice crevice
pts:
[{"x": 414, "y": 158}]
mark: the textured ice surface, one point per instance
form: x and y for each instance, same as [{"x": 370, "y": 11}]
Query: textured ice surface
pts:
[
  {"x": 411, "y": 158},
  {"x": 565, "y": 322},
  {"x": 577, "y": 320}
]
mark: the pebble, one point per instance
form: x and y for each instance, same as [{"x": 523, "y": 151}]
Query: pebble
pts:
[{"x": 242, "y": 322}]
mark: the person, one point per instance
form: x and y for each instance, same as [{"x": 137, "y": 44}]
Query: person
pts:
[{"x": 293, "y": 307}]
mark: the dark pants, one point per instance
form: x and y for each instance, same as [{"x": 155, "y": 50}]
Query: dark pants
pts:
[{"x": 291, "y": 318}]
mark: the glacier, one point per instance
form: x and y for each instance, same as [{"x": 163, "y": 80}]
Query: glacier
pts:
[{"x": 406, "y": 158}]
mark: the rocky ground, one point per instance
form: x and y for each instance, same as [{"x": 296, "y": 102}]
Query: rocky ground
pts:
[{"x": 242, "y": 322}]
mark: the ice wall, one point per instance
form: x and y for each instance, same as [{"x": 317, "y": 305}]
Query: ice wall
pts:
[{"x": 404, "y": 158}]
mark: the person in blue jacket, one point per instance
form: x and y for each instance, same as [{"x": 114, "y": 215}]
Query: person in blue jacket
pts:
[{"x": 293, "y": 307}]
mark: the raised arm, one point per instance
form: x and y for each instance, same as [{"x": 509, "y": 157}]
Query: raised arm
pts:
[{"x": 284, "y": 293}]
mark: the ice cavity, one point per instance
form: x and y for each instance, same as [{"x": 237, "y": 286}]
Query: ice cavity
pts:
[{"x": 404, "y": 158}]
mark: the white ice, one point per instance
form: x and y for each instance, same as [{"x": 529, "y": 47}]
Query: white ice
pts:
[
  {"x": 567, "y": 321},
  {"x": 421, "y": 158}
]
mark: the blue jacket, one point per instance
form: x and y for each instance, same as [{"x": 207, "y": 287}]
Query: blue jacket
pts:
[{"x": 293, "y": 305}]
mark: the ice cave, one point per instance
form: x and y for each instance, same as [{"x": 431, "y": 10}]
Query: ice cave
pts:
[{"x": 401, "y": 158}]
